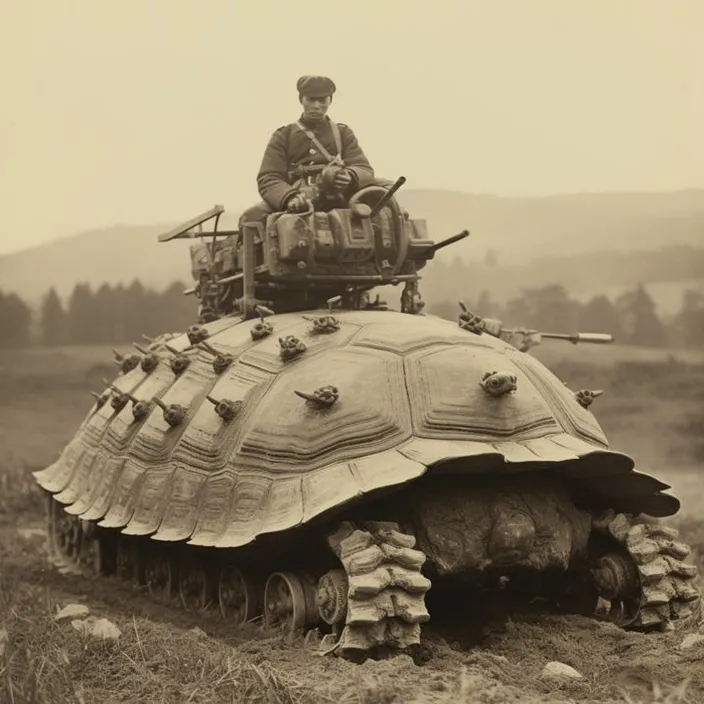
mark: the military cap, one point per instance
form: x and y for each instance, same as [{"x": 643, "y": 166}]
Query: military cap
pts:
[{"x": 315, "y": 86}]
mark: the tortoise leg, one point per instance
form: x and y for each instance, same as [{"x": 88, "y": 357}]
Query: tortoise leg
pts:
[
  {"x": 636, "y": 576},
  {"x": 645, "y": 579},
  {"x": 378, "y": 603}
]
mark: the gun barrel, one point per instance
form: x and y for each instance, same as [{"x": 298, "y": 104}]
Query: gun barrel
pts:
[
  {"x": 450, "y": 240},
  {"x": 597, "y": 338},
  {"x": 387, "y": 196}
]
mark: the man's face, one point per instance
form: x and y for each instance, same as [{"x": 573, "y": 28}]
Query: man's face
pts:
[{"x": 315, "y": 108}]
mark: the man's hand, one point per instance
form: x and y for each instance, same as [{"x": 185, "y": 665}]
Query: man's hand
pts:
[
  {"x": 297, "y": 204},
  {"x": 343, "y": 178}
]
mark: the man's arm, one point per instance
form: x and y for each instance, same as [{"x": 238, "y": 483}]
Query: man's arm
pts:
[
  {"x": 355, "y": 159},
  {"x": 272, "y": 179}
]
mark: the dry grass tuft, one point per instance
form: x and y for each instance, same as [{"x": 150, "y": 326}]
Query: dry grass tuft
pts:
[
  {"x": 677, "y": 694},
  {"x": 371, "y": 691},
  {"x": 43, "y": 661}
]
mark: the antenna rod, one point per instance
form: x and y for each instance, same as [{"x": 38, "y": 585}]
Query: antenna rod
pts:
[{"x": 248, "y": 264}]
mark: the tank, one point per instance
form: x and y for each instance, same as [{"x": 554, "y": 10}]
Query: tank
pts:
[{"x": 306, "y": 455}]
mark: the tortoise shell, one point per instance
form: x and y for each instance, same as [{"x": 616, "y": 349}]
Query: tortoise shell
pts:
[{"x": 268, "y": 424}]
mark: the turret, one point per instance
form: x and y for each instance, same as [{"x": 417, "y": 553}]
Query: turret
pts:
[{"x": 298, "y": 261}]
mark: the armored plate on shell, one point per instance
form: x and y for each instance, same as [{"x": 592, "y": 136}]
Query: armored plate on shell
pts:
[{"x": 409, "y": 400}]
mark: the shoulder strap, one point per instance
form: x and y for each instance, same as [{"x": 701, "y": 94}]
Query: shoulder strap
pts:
[{"x": 336, "y": 136}]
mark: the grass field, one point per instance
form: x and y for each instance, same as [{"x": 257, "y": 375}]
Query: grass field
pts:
[{"x": 652, "y": 408}]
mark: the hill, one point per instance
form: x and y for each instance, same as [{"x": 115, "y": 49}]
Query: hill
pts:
[
  {"x": 544, "y": 237},
  {"x": 522, "y": 229},
  {"x": 666, "y": 273}
]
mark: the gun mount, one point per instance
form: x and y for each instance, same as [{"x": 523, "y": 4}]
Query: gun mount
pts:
[
  {"x": 521, "y": 338},
  {"x": 298, "y": 261}
]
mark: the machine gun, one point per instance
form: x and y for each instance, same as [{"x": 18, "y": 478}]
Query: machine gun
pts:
[
  {"x": 525, "y": 339},
  {"x": 522, "y": 338},
  {"x": 297, "y": 261}
]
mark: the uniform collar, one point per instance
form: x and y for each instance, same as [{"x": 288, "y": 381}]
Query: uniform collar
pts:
[{"x": 313, "y": 125}]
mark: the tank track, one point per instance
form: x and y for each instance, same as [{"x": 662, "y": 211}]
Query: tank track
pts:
[{"x": 373, "y": 604}]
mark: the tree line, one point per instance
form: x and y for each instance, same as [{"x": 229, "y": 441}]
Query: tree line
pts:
[
  {"x": 120, "y": 314},
  {"x": 109, "y": 315}
]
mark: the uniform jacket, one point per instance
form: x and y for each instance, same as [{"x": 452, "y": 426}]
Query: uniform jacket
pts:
[{"x": 290, "y": 147}]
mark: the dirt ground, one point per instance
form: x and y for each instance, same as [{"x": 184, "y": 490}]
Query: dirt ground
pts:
[{"x": 165, "y": 654}]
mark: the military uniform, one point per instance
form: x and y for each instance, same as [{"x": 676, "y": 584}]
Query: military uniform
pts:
[{"x": 290, "y": 147}]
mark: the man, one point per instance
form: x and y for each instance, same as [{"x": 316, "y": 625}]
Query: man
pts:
[{"x": 297, "y": 151}]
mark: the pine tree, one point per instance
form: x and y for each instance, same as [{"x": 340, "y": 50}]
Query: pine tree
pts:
[{"x": 52, "y": 324}]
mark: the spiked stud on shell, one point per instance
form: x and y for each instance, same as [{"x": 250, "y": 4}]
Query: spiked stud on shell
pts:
[
  {"x": 290, "y": 347},
  {"x": 585, "y": 397},
  {"x": 262, "y": 328},
  {"x": 126, "y": 362},
  {"x": 178, "y": 362},
  {"x": 174, "y": 413},
  {"x": 225, "y": 408},
  {"x": 197, "y": 333},
  {"x": 325, "y": 396},
  {"x": 498, "y": 384}
]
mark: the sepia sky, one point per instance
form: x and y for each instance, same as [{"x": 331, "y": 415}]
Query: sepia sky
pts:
[{"x": 151, "y": 111}]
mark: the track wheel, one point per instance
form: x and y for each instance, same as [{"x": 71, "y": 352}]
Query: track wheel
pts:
[
  {"x": 50, "y": 508},
  {"x": 65, "y": 539},
  {"x": 238, "y": 595},
  {"x": 289, "y": 602},
  {"x": 193, "y": 585},
  {"x": 67, "y": 534},
  {"x": 158, "y": 576},
  {"x": 128, "y": 565},
  {"x": 92, "y": 552},
  {"x": 619, "y": 586},
  {"x": 331, "y": 597}
]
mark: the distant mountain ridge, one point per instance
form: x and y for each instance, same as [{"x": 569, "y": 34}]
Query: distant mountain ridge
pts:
[{"x": 556, "y": 229}]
